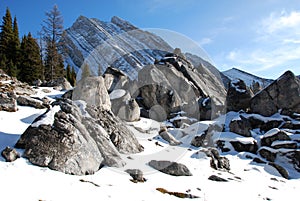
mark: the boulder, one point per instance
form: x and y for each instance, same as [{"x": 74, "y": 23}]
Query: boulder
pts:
[
  {"x": 10, "y": 154},
  {"x": 274, "y": 135},
  {"x": 115, "y": 79},
  {"x": 66, "y": 138},
  {"x": 122, "y": 138},
  {"x": 284, "y": 145},
  {"x": 199, "y": 140},
  {"x": 238, "y": 96},
  {"x": 169, "y": 138},
  {"x": 124, "y": 106},
  {"x": 268, "y": 153},
  {"x": 241, "y": 126},
  {"x": 92, "y": 90},
  {"x": 31, "y": 102},
  {"x": 8, "y": 102},
  {"x": 217, "y": 178},
  {"x": 136, "y": 174},
  {"x": 282, "y": 94},
  {"x": 217, "y": 162},
  {"x": 171, "y": 168},
  {"x": 244, "y": 147}
]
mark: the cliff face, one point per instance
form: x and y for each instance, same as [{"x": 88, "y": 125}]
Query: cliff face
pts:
[{"x": 116, "y": 43}]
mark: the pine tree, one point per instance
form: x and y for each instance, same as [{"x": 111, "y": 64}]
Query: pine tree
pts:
[
  {"x": 6, "y": 36},
  {"x": 86, "y": 72},
  {"x": 73, "y": 77},
  {"x": 53, "y": 29},
  {"x": 30, "y": 61},
  {"x": 9, "y": 44}
]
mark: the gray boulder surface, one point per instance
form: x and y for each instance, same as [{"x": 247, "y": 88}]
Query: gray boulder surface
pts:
[
  {"x": 10, "y": 154},
  {"x": 73, "y": 142},
  {"x": 171, "y": 168},
  {"x": 282, "y": 94},
  {"x": 31, "y": 102}
]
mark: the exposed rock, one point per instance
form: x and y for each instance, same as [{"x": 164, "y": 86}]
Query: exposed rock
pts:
[
  {"x": 12, "y": 85},
  {"x": 268, "y": 153},
  {"x": 68, "y": 94},
  {"x": 169, "y": 138},
  {"x": 59, "y": 84},
  {"x": 124, "y": 106},
  {"x": 177, "y": 194},
  {"x": 136, "y": 174},
  {"x": 10, "y": 154},
  {"x": 238, "y": 96},
  {"x": 284, "y": 145},
  {"x": 115, "y": 79},
  {"x": 171, "y": 168},
  {"x": 283, "y": 93},
  {"x": 258, "y": 160},
  {"x": 274, "y": 135},
  {"x": 265, "y": 125},
  {"x": 8, "y": 102},
  {"x": 198, "y": 140},
  {"x": 66, "y": 138},
  {"x": 123, "y": 139},
  {"x": 241, "y": 126},
  {"x": 284, "y": 173},
  {"x": 217, "y": 162},
  {"x": 93, "y": 91},
  {"x": 241, "y": 147},
  {"x": 31, "y": 102},
  {"x": 217, "y": 178}
]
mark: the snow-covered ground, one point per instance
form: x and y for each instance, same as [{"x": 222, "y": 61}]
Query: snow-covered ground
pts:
[{"x": 20, "y": 180}]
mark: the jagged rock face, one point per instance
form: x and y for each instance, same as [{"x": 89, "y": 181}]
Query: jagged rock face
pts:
[
  {"x": 283, "y": 94},
  {"x": 117, "y": 44},
  {"x": 175, "y": 85},
  {"x": 238, "y": 96},
  {"x": 68, "y": 139}
]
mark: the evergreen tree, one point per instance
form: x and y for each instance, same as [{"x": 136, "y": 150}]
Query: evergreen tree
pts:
[
  {"x": 52, "y": 30},
  {"x": 31, "y": 67},
  {"x": 86, "y": 71},
  {"x": 6, "y": 36},
  {"x": 9, "y": 44}
]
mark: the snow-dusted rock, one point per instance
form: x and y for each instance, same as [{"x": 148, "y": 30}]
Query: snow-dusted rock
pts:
[
  {"x": 169, "y": 138},
  {"x": 10, "y": 154},
  {"x": 284, "y": 145},
  {"x": 171, "y": 168},
  {"x": 68, "y": 139},
  {"x": 136, "y": 174},
  {"x": 282, "y": 94},
  {"x": 268, "y": 153},
  {"x": 284, "y": 173},
  {"x": 93, "y": 91},
  {"x": 274, "y": 135},
  {"x": 239, "y": 146},
  {"x": 241, "y": 126},
  {"x": 238, "y": 96},
  {"x": 31, "y": 102},
  {"x": 8, "y": 102}
]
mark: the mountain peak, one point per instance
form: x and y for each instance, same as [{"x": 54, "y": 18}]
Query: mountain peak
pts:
[{"x": 123, "y": 24}]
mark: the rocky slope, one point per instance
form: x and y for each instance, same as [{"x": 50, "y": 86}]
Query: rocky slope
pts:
[{"x": 116, "y": 43}]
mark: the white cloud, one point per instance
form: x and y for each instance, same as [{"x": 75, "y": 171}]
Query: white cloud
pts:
[
  {"x": 275, "y": 44},
  {"x": 281, "y": 21},
  {"x": 205, "y": 41}
]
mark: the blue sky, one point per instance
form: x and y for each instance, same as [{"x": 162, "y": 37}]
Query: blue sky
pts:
[{"x": 258, "y": 36}]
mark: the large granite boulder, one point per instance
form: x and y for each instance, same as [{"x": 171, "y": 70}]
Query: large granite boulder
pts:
[
  {"x": 68, "y": 139},
  {"x": 238, "y": 96},
  {"x": 282, "y": 94},
  {"x": 92, "y": 90},
  {"x": 8, "y": 102}
]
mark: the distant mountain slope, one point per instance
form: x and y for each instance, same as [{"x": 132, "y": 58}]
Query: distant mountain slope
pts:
[
  {"x": 248, "y": 78},
  {"x": 116, "y": 43}
]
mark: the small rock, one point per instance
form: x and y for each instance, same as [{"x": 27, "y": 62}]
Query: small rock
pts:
[
  {"x": 10, "y": 154},
  {"x": 169, "y": 138},
  {"x": 136, "y": 174},
  {"x": 171, "y": 168},
  {"x": 217, "y": 178},
  {"x": 31, "y": 102},
  {"x": 282, "y": 171}
]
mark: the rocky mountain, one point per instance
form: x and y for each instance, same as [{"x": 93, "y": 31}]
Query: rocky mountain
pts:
[
  {"x": 248, "y": 78},
  {"x": 116, "y": 43}
]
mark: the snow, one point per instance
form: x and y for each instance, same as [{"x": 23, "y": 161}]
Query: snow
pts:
[
  {"x": 20, "y": 180},
  {"x": 271, "y": 132},
  {"x": 229, "y": 136},
  {"x": 48, "y": 117},
  {"x": 281, "y": 142},
  {"x": 117, "y": 93}
]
